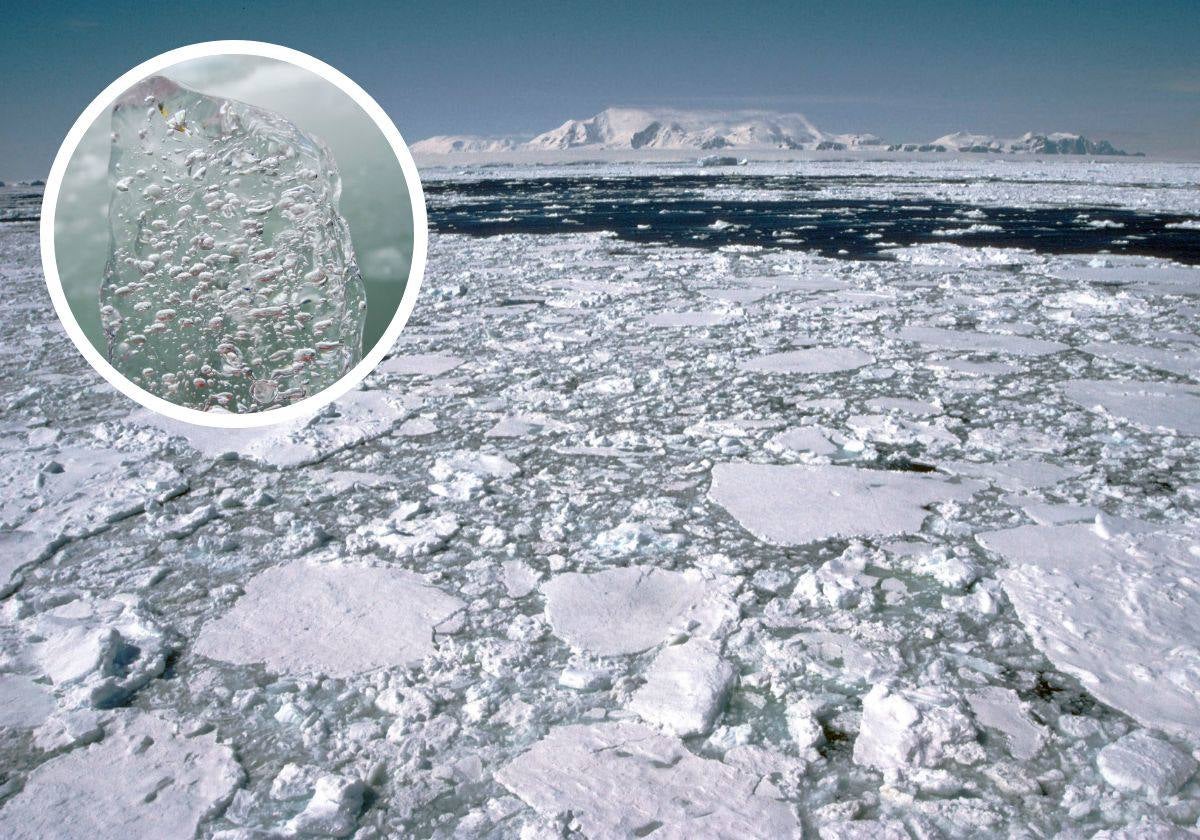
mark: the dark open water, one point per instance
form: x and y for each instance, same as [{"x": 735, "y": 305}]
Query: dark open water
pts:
[{"x": 681, "y": 210}]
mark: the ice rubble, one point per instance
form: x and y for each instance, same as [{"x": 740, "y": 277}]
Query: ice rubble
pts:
[
  {"x": 232, "y": 280},
  {"x": 358, "y": 416},
  {"x": 71, "y": 493},
  {"x": 143, "y": 780},
  {"x": 792, "y": 505},
  {"x": 1107, "y": 608},
  {"x": 626, "y": 780},
  {"x": 98, "y": 652},
  {"x": 330, "y": 619},
  {"x": 618, "y": 428}
]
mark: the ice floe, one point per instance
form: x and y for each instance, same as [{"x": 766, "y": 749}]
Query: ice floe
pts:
[
  {"x": 143, "y": 780},
  {"x": 792, "y": 505},
  {"x": 329, "y": 619},
  {"x": 626, "y": 780},
  {"x": 1106, "y": 608}
]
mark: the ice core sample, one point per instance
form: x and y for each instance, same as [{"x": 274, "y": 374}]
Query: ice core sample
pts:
[{"x": 231, "y": 280}]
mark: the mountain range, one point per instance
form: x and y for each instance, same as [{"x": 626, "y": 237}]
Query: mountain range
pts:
[{"x": 632, "y": 128}]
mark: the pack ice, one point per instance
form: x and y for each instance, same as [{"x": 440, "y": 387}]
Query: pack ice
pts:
[{"x": 232, "y": 281}]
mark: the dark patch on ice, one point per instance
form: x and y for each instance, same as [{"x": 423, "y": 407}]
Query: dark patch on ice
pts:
[{"x": 679, "y": 210}]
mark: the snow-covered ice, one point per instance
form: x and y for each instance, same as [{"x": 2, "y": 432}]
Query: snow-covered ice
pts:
[
  {"x": 144, "y": 780},
  {"x": 626, "y": 780},
  {"x": 792, "y": 505},
  {"x": 338, "y": 620}
]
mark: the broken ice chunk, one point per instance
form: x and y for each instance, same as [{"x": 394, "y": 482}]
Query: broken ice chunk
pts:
[
  {"x": 686, "y": 686},
  {"x": 626, "y": 780},
  {"x": 333, "y": 809},
  {"x": 792, "y": 505},
  {"x": 1142, "y": 763},
  {"x": 916, "y": 728},
  {"x": 231, "y": 281},
  {"x": 1001, "y": 708},
  {"x": 974, "y": 342},
  {"x": 142, "y": 781},
  {"x": 335, "y": 620}
]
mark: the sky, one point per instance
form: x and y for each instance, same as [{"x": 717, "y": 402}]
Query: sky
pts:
[{"x": 1123, "y": 71}]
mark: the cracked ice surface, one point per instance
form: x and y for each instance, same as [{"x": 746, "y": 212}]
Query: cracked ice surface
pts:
[{"x": 555, "y": 570}]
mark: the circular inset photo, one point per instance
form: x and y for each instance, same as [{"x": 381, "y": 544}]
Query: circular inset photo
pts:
[{"x": 233, "y": 234}]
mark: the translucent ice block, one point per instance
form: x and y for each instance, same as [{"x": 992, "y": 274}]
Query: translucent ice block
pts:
[{"x": 231, "y": 280}]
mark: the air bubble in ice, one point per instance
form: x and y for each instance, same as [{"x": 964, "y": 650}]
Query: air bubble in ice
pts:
[{"x": 228, "y": 254}]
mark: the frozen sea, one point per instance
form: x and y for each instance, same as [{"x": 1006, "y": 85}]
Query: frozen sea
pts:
[{"x": 837, "y": 499}]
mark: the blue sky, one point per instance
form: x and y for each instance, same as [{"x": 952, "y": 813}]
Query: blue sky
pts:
[{"x": 1124, "y": 71}]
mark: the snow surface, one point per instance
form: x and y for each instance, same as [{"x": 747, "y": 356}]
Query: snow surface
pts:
[
  {"x": 793, "y": 505},
  {"x": 625, "y": 780},
  {"x": 336, "y": 620},
  {"x": 1107, "y": 608},
  {"x": 144, "y": 780}
]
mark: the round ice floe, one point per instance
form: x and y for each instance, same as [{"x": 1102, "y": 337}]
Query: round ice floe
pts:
[
  {"x": 331, "y": 619},
  {"x": 619, "y": 611},
  {"x": 142, "y": 781}
]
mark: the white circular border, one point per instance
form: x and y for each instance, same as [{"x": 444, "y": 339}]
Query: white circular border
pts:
[{"x": 223, "y": 420}]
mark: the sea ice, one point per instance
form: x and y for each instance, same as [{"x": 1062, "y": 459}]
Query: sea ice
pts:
[
  {"x": 74, "y": 492},
  {"x": 232, "y": 280},
  {"x": 143, "y": 780},
  {"x": 1184, "y": 362},
  {"x": 359, "y": 416},
  {"x": 978, "y": 342},
  {"x": 1001, "y": 709},
  {"x": 685, "y": 319},
  {"x": 1141, "y": 763},
  {"x": 792, "y": 505},
  {"x": 331, "y": 619},
  {"x": 24, "y": 704},
  {"x": 915, "y": 728},
  {"x": 98, "y": 652},
  {"x": 1107, "y": 609},
  {"x": 1153, "y": 405},
  {"x": 810, "y": 360},
  {"x": 627, "y": 780},
  {"x": 333, "y": 809},
  {"x": 686, "y": 686},
  {"x": 419, "y": 364},
  {"x": 619, "y": 611}
]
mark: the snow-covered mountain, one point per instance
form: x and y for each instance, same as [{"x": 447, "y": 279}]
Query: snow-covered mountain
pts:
[
  {"x": 444, "y": 144},
  {"x": 1058, "y": 143},
  {"x": 635, "y": 128},
  {"x": 628, "y": 128}
]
